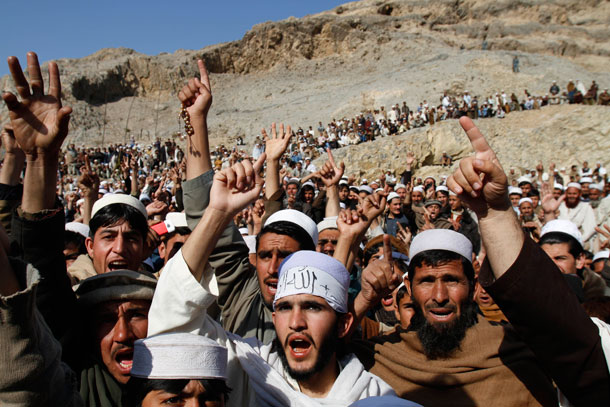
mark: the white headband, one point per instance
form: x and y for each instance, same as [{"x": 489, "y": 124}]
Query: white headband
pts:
[{"x": 313, "y": 273}]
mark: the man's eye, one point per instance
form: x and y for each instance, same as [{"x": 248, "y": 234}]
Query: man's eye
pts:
[{"x": 173, "y": 401}]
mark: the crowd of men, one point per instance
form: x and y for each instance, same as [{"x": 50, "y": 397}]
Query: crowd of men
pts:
[{"x": 154, "y": 276}]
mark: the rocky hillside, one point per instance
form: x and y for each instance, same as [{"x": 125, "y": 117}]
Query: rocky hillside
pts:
[{"x": 357, "y": 56}]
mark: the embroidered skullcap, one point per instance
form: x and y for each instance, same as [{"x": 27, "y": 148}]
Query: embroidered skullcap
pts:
[
  {"x": 251, "y": 243},
  {"x": 391, "y": 196},
  {"x": 418, "y": 188},
  {"x": 558, "y": 186},
  {"x": 515, "y": 191},
  {"x": 441, "y": 239},
  {"x": 524, "y": 180},
  {"x": 78, "y": 227},
  {"x": 442, "y": 188},
  {"x": 308, "y": 184},
  {"x": 562, "y": 226},
  {"x": 115, "y": 285},
  {"x": 525, "y": 200},
  {"x": 384, "y": 401},
  {"x": 309, "y": 272},
  {"x": 179, "y": 356},
  {"x": 604, "y": 254},
  {"x": 110, "y": 199},
  {"x": 365, "y": 188},
  {"x": 299, "y": 219},
  {"x": 574, "y": 185},
  {"x": 327, "y": 223},
  {"x": 178, "y": 219},
  {"x": 599, "y": 187}
]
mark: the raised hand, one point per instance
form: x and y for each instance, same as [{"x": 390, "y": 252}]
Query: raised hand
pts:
[
  {"x": 277, "y": 144},
  {"x": 404, "y": 235},
  {"x": 39, "y": 121},
  {"x": 351, "y": 224},
  {"x": 380, "y": 277},
  {"x": 550, "y": 204},
  {"x": 410, "y": 159},
  {"x": 480, "y": 180},
  {"x": 331, "y": 173},
  {"x": 236, "y": 187},
  {"x": 196, "y": 95},
  {"x": 373, "y": 205},
  {"x": 10, "y": 143}
]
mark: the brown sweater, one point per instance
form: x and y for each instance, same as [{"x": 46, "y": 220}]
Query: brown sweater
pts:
[{"x": 493, "y": 367}]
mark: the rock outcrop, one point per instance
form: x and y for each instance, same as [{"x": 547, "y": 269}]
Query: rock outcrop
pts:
[{"x": 337, "y": 63}]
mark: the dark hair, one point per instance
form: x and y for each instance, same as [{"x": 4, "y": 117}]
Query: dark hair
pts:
[
  {"x": 402, "y": 291},
  {"x": 137, "y": 388},
  {"x": 114, "y": 213},
  {"x": 76, "y": 239},
  {"x": 435, "y": 258},
  {"x": 180, "y": 230},
  {"x": 598, "y": 307},
  {"x": 534, "y": 192},
  {"x": 575, "y": 248},
  {"x": 588, "y": 255},
  {"x": 290, "y": 229}
]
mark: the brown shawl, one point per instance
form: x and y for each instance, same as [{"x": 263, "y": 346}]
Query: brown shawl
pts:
[{"x": 492, "y": 368}]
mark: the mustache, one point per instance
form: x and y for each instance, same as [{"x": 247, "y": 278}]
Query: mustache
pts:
[
  {"x": 120, "y": 348},
  {"x": 434, "y": 304}
]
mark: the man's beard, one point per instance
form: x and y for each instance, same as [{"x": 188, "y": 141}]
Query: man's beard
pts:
[
  {"x": 325, "y": 351},
  {"x": 572, "y": 203},
  {"x": 528, "y": 218},
  {"x": 439, "y": 340}
]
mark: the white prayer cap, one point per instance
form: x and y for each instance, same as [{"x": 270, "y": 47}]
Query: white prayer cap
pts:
[
  {"x": 515, "y": 191},
  {"x": 384, "y": 401},
  {"x": 431, "y": 177},
  {"x": 308, "y": 184},
  {"x": 243, "y": 231},
  {"x": 586, "y": 180},
  {"x": 299, "y": 219},
  {"x": 327, "y": 223},
  {"x": 558, "y": 186},
  {"x": 309, "y": 272},
  {"x": 78, "y": 227},
  {"x": 102, "y": 191},
  {"x": 251, "y": 243},
  {"x": 574, "y": 185},
  {"x": 523, "y": 180},
  {"x": 178, "y": 219},
  {"x": 604, "y": 254},
  {"x": 110, "y": 199},
  {"x": 391, "y": 180},
  {"x": 562, "y": 226},
  {"x": 442, "y": 188},
  {"x": 599, "y": 187},
  {"x": 525, "y": 200},
  {"x": 364, "y": 181},
  {"x": 343, "y": 182},
  {"x": 179, "y": 356},
  {"x": 379, "y": 190},
  {"x": 399, "y": 186},
  {"x": 441, "y": 239},
  {"x": 365, "y": 188},
  {"x": 418, "y": 188},
  {"x": 391, "y": 196}
]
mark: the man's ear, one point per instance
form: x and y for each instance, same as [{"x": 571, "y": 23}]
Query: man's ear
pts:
[
  {"x": 345, "y": 324},
  {"x": 162, "y": 249},
  {"x": 580, "y": 261},
  {"x": 89, "y": 246}
]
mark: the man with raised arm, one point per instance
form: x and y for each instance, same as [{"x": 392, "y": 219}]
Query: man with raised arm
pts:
[
  {"x": 303, "y": 366},
  {"x": 450, "y": 351},
  {"x": 245, "y": 295}
]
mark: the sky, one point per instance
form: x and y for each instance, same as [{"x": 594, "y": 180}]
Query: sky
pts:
[{"x": 76, "y": 28}]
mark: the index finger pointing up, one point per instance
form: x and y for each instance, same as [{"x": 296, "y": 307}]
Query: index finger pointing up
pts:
[
  {"x": 387, "y": 248},
  {"x": 203, "y": 72},
  {"x": 477, "y": 139}
]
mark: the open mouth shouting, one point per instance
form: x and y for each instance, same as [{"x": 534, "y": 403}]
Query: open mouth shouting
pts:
[
  {"x": 124, "y": 360},
  {"x": 387, "y": 301},
  {"x": 299, "y": 345},
  {"x": 271, "y": 285},
  {"x": 118, "y": 265},
  {"x": 442, "y": 314}
]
